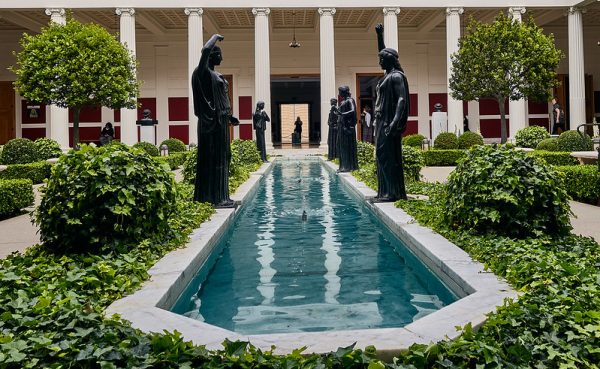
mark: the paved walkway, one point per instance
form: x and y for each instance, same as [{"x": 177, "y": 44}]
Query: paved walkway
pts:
[{"x": 18, "y": 233}]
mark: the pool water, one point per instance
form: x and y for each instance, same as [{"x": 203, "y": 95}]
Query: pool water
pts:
[{"x": 339, "y": 269}]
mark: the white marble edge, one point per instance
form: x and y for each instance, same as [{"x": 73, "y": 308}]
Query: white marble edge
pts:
[{"x": 481, "y": 291}]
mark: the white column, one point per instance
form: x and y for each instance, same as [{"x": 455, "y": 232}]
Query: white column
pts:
[
  {"x": 195, "y": 43},
  {"x": 455, "y": 107},
  {"x": 517, "y": 109},
  {"x": 327, "y": 53},
  {"x": 57, "y": 124},
  {"x": 390, "y": 26},
  {"x": 576, "y": 69},
  {"x": 262, "y": 66},
  {"x": 161, "y": 54},
  {"x": 423, "y": 88},
  {"x": 127, "y": 32}
]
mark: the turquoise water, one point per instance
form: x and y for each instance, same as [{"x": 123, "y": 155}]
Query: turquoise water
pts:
[{"x": 340, "y": 269}]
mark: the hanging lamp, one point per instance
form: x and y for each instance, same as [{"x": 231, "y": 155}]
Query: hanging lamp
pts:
[{"x": 294, "y": 44}]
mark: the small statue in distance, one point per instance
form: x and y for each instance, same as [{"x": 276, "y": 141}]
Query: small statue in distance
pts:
[
  {"x": 347, "y": 125},
  {"x": 332, "y": 138},
  {"x": 259, "y": 120}
]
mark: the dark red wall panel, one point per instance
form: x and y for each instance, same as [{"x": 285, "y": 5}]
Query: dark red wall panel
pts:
[
  {"x": 412, "y": 127},
  {"x": 178, "y": 109},
  {"x": 490, "y": 128},
  {"x": 245, "y": 131},
  {"x": 88, "y": 115},
  {"x": 180, "y": 132},
  {"x": 490, "y": 107},
  {"x": 542, "y": 122},
  {"x": 414, "y": 106},
  {"x": 33, "y": 113},
  {"x": 441, "y": 98},
  {"x": 33, "y": 133},
  {"x": 86, "y": 134},
  {"x": 245, "y": 107},
  {"x": 537, "y": 108},
  {"x": 117, "y": 115}
]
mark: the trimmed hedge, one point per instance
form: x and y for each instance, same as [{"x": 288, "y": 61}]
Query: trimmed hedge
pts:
[
  {"x": 549, "y": 144},
  {"x": 531, "y": 136},
  {"x": 36, "y": 172},
  {"x": 582, "y": 182},
  {"x": 174, "y": 145},
  {"x": 443, "y": 158},
  {"x": 365, "y": 152},
  {"x": 469, "y": 139},
  {"x": 445, "y": 141},
  {"x": 174, "y": 160},
  {"x": 574, "y": 141},
  {"x": 15, "y": 194},
  {"x": 148, "y": 148},
  {"x": 19, "y": 151},
  {"x": 414, "y": 140},
  {"x": 555, "y": 157},
  {"x": 47, "y": 148}
]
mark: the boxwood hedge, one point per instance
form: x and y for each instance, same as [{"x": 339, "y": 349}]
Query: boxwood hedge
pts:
[
  {"x": 15, "y": 194},
  {"x": 443, "y": 158},
  {"x": 582, "y": 182},
  {"x": 36, "y": 172}
]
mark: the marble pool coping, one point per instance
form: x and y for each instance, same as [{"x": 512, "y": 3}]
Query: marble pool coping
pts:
[{"x": 480, "y": 291}]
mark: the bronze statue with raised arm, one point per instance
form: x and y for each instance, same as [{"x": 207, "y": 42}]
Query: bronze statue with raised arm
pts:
[
  {"x": 347, "y": 125},
  {"x": 391, "y": 114},
  {"x": 213, "y": 109},
  {"x": 259, "y": 120}
]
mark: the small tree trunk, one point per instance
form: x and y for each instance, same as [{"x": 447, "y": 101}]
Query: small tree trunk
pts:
[
  {"x": 502, "y": 120},
  {"x": 76, "y": 111}
]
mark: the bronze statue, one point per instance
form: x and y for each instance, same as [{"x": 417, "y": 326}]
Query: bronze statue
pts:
[
  {"x": 346, "y": 124},
  {"x": 213, "y": 109},
  {"x": 332, "y": 138},
  {"x": 391, "y": 114},
  {"x": 259, "y": 120}
]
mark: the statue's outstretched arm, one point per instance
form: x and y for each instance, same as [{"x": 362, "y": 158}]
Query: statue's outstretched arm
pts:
[
  {"x": 207, "y": 48},
  {"x": 380, "y": 42}
]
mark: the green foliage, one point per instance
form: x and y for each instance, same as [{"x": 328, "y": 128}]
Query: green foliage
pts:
[
  {"x": 19, "y": 151},
  {"x": 506, "y": 192},
  {"x": 574, "y": 141},
  {"x": 76, "y": 65},
  {"x": 531, "y": 136},
  {"x": 365, "y": 152},
  {"x": 469, "y": 139},
  {"x": 36, "y": 172},
  {"x": 367, "y": 174},
  {"x": 15, "y": 194},
  {"x": 174, "y": 145},
  {"x": 548, "y": 144},
  {"x": 412, "y": 161},
  {"x": 582, "y": 182},
  {"x": 506, "y": 59},
  {"x": 445, "y": 141},
  {"x": 148, "y": 148},
  {"x": 189, "y": 166},
  {"x": 443, "y": 158},
  {"x": 47, "y": 148},
  {"x": 174, "y": 160},
  {"x": 555, "y": 157},
  {"x": 107, "y": 195},
  {"x": 414, "y": 140}
]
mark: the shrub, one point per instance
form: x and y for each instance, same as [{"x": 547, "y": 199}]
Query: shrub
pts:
[
  {"x": 47, "y": 148},
  {"x": 445, "y": 141},
  {"x": 245, "y": 152},
  {"x": 469, "y": 139},
  {"x": 531, "y": 136},
  {"x": 555, "y": 157},
  {"x": 443, "y": 158},
  {"x": 149, "y": 148},
  {"x": 109, "y": 195},
  {"x": 506, "y": 192},
  {"x": 36, "y": 172},
  {"x": 365, "y": 152},
  {"x": 174, "y": 145},
  {"x": 414, "y": 140},
  {"x": 19, "y": 151},
  {"x": 574, "y": 141},
  {"x": 412, "y": 161},
  {"x": 189, "y": 166},
  {"x": 582, "y": 182},
  {"x": 548, "y": 144},
  {"x": 15, "y": 194}
]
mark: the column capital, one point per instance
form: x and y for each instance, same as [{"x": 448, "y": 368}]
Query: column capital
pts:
[
  {"x": 575, "y": 9},
  {"x": 391, "y": 11},
  {"x": 261, "y": 11},
  {"x": 517, "y": 10},
  {"x": 55, "y": 12},
  {"x": 193, "y": 11},
  {"x": 326, "y": 11},
  {"x": 454, "y": 11},
  {"x": 125, "y": 11}
]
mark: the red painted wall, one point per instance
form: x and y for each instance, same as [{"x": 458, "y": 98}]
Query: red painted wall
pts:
[
  {"x": 245, "y": 131},
  {"x": 33, "y": 133},
  {"x": 178, "y": 109},
  {"x": 88, "y": 115},
  {"x": 27, "y": 119},
  {"x": 245, "y": 107},
  {"x": 180, "y": 132}
]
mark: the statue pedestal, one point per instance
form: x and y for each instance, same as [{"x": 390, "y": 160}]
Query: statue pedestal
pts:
[
  {"x": 148, "y": 130},
  {"x": 439, "y": 124}
]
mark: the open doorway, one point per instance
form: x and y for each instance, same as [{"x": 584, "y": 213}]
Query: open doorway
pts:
[
  {"x": 366, "y": 87},
  {"x": 290, "y": 114}
]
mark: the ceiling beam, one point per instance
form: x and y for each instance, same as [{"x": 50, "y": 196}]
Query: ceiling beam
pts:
[
  {"x": 548, "y": 16},
  {"x": 150, "y": 23},
  {"x": 431, "y": 22},
  {"x": 24, "y": 21},
  {"x": 209, "y": 25}
]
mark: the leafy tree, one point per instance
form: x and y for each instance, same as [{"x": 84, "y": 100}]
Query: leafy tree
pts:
[
  {"x": 76, "y": 65},
  {"x": 503, "y": 60}
]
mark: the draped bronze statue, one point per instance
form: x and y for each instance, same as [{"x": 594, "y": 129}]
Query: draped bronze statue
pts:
[
  {"x": 332, "y": 121},
  {"x": 213, "y": 109},
  {"x": 391, "y": 114},
  {"x": 347, "y": 125},
  {"x": 259, "y": 120}
]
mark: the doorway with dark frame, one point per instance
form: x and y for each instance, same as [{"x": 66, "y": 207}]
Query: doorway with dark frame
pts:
[
  {"x": 7, "y": 112},
  {"x": 365, "y": 99}
]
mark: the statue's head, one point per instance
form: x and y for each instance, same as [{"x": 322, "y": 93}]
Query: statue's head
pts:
[
  {"x": 344, "y": 91},
  {"x": 333, "y": 101},
  {"x": 388, "y": 59},
  {"x": 146, "y": 113},
  {"x": 260, "y": 105},
  {"x": 215, "y": 56}
]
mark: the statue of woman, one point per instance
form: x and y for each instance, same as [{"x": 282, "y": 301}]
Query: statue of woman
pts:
[
  {"x": 332, "y": 121},
  {"x": 347, "y": 124},
  {"x": 259, "y": 120},
  {"x": 391, "y": 114},
  {"x": 212, "y": 107}
]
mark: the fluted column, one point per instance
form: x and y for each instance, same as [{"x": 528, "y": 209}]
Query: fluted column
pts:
[
  {"x": 195, "y": 43},
  {"x": 517, "y": 109},
  {"x": 262, "y": 66},
  {"x": 576, "y": 69},
  {"x": 455, "y": 107},
  {"x": 390, "y": 26},
  {"x": 57, "y": 124},
  {"x": 127, "y": 33},
  {"x": 327, "y": 52}
]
